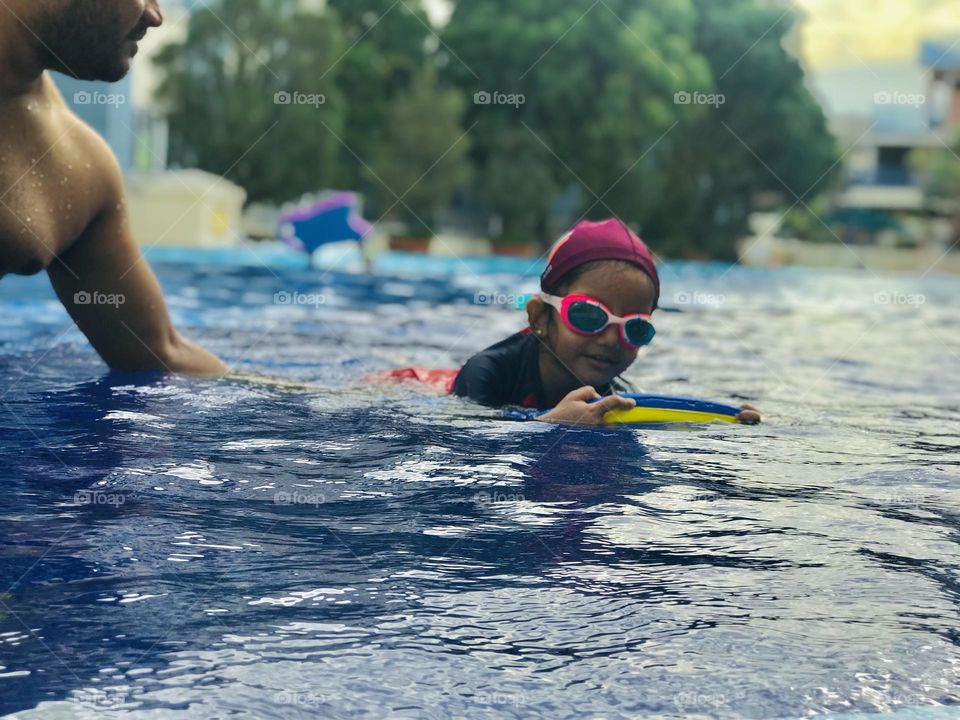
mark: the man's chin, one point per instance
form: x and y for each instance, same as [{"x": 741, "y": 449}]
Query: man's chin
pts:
[
  {"x": 116, "y": 74},
  {"x": 105, "y": 72},
  {"x": 113, "y": 73}
]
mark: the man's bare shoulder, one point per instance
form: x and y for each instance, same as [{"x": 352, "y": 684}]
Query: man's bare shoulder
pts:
[
  {"x": 85, "y": 145},
  {"x": 55, "y": 180}
]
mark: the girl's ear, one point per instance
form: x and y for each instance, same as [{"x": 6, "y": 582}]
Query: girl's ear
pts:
[{"x": 538, "y": 314}]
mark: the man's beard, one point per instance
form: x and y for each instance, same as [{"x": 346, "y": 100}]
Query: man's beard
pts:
[{"x": 77, "y": 42}]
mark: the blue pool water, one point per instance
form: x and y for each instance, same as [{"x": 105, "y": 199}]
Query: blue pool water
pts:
[{"x": 184, "y": 548}]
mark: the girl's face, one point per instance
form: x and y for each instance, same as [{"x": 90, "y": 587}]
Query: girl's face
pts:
[{"x": 596, "y": 359}]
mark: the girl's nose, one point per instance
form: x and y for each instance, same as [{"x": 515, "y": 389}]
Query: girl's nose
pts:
[{"x": 610, "y": 335}]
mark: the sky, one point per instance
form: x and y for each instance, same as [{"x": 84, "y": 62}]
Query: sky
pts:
[{"x": 853, "y": 32}]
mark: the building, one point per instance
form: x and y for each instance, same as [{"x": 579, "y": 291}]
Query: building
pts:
[
  {"x": 883, "y": 112},
  {"x": 891, "y": 95}
]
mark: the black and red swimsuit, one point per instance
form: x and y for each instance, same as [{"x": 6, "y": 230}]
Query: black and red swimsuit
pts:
[{"x": 508, "y": 374}]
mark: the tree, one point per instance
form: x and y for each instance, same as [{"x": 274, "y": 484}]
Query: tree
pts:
[
  {"x": 245, "y": 101},
  {"x": 517, "y": 179},
  {"x": 617, "y": 98},
  {"x": 598, "y": 82},
  {"x": 422, "y": 157},
  {"x": 386, "y": 45},
  {"x": 768, "y": 134}
]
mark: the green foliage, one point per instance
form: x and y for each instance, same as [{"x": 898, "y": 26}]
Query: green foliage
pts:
[
  {"x": 598, "y": 82},
  {"x": 601, "y": 83},
  {"x": 939, "y": 171},
  {"x": 517, "y": 183},
  {"x": 422, "y": 159},
  {"x": 769, "y": 134},
  {"x": 220, "y": 88},
  {"x": 811, "y": 222},
  {"x": 386, "y": 47}
]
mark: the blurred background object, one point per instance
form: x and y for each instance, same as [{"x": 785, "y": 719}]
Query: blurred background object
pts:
[
  {"x": 332, "y": 219},
  {"x": 186, "y": 208}
]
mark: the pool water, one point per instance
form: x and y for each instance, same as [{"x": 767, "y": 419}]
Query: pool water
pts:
[{"x": 186, "y": 548}]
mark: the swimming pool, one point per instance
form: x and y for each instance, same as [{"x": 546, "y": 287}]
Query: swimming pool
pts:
[{"x": 197, "y": 549}]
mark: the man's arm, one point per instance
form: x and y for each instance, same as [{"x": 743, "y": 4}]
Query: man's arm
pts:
[{"x": 114, "y": 297}]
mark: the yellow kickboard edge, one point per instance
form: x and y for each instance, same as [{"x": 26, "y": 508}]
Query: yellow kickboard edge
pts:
[{"x": 642, "y": 415}]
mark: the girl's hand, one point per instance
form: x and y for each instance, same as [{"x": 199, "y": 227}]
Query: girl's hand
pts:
[
  {"x": 749, "y": 416},
  {"x": 577, "y": 408}
]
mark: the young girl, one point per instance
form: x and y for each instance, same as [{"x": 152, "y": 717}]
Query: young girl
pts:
[{"x": 599, "y": 291}]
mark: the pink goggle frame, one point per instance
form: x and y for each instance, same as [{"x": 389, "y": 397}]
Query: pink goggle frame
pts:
[{"x": 579, "y": 314}]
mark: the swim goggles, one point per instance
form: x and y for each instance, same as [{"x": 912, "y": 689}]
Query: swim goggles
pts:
[{"x": 585, "y": 315}]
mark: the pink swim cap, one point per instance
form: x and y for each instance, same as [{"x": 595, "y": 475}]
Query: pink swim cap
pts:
[{"x": 589, "y": 241}]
